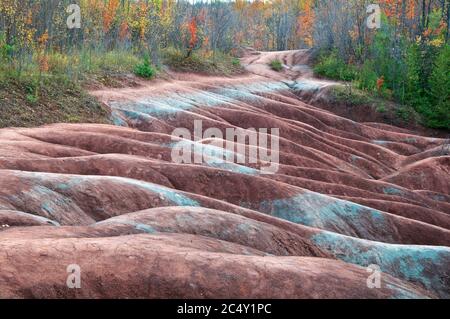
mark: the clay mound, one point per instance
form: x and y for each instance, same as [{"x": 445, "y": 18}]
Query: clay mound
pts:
[
  {"x": 10, "y": 218},
  {"x": 182, "y": 267},
  {"x": 344, "y": 196},
  {"x": 83, "y": 199},
  {"x": 219, "y": 225},
  {"x": 425, "y": 175},
  {"x": 174, "y": 228}
]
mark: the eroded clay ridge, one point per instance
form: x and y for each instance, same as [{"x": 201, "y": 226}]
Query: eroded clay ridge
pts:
[{"x": 110, "y": 199}]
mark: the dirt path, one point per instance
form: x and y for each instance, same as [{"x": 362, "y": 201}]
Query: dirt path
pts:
[{"x": 112, "y": 200}]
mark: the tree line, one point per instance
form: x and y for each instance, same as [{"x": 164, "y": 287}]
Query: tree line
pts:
[{"x": 406, "y": 59}]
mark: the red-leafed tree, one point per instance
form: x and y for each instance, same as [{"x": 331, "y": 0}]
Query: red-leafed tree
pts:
[{"x": 193, "y": 38}]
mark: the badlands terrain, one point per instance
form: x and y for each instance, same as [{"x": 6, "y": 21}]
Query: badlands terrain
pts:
[{"x": 110, "y": 198}]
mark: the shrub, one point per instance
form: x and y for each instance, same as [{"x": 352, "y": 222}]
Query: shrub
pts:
[
  {"x": 32, "y": 98},
  {"x": 59, "y": 63},
  {"x": 276, "y": 65},
  {"x": 381, "y": 108},
  {"x": 6, "y": 52},
  {"x": 367, "y": 77},
  {"x": 333, "y": 67},
  {"x": 404, "y": 113},
  {"x": 145, "y": 69}
]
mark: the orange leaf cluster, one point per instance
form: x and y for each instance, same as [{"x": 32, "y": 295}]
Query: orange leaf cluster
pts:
[
  {"x": 192, "y": 27},
  {"x": 109, "y": 14},
  {"x": 380, "y": 83},
  {"x": 306, "y": 22}
]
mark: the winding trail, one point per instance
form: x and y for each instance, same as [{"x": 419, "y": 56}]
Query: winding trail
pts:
[{"x": 109, "y": 198}]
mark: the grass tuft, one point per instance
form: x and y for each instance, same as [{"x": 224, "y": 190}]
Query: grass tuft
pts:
[{"x": 276, "y": 65}]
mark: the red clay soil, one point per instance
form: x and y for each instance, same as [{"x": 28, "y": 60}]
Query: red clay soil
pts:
[{"x": 111, "y": 199}]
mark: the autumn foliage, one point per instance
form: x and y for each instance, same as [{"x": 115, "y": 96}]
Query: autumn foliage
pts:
[{"x": 192, "y": 27}]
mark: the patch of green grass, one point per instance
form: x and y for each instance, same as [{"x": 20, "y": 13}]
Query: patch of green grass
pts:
[
  {"x": 32, "y": 97},
  {"x": 276, "y": 65},
  {"x": 29, "y": 101},
  {"x": 236, "y": 62},
  {"x": 198, "y": 62},
  {"x": 90, "y": 61},
  {"x": 351, "y": 96}
]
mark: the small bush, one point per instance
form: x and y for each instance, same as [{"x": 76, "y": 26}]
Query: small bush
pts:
[
  {"x": 59, "y": 63},
  {"x": 145, "y": 69},
  {"x": 367, "y": 77},
  {"x": 333, "y": 67},
  {"x": 381, "y": 108},
  {"x": 276, "y": 65},
  {"x": 404, "y": 113},
  {"x": 6, "y": 52},
  {"x": 32, "y": 98}
]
